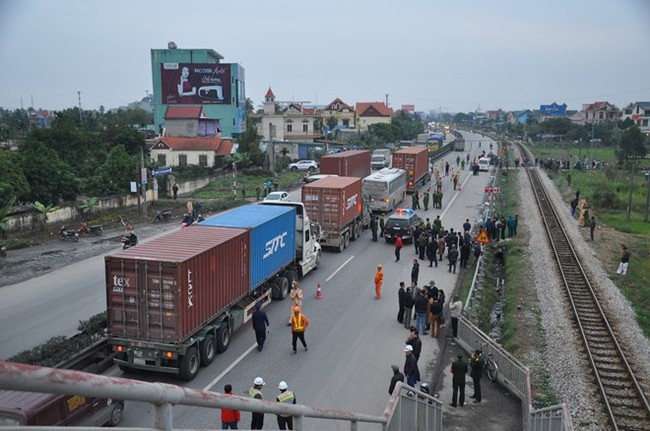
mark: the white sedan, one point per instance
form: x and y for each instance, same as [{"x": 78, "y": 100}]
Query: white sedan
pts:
[{"x": 277, "y": 196}]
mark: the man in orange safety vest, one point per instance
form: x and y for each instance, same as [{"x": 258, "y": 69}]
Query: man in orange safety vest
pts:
[{"x": 299, "y": 323}]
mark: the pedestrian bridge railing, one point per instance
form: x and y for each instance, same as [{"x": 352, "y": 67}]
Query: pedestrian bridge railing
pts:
[
  {"x": 408, "y": 408},
  {"x": 515, "y": 377}
]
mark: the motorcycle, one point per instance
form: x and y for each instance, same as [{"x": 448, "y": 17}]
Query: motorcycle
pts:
[
  {"x": 129, "y": 240},
  {"x": 68, "y": 235},
  {"x": 88, "y": 229},
  {"x": 3, "y": 250}
]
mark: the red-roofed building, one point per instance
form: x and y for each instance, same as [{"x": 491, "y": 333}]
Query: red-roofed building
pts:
[
  {"x": 190, "y": 122},
  {"x": 597, "y": 112},
  {"x": 178, "y": 151},
  {"x": 341, "y": 111},
  {"x": 372, "y": 113}
]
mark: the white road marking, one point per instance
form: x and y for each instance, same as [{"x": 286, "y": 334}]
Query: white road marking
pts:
[
  {"x": 230, "y": 367},
  {"x": 455, "y": 196},
  {"x": 338, "y": 269}
]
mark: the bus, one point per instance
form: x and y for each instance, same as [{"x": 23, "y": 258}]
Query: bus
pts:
[{"x": 385, "y": 188}]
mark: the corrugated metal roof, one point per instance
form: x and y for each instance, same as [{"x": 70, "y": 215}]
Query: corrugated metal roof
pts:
[
  {"x": 179, "y": 112},
  {"x": 179, "y": 245}
]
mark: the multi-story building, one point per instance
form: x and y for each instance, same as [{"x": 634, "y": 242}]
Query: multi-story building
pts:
[
  {"x": 597, "y": 112},
  {"x": 639, "y": 112},
  {"x": 288, "y": 121},
  {"x": 341, "y": 111},
  {"x": 197, "y": 77}
]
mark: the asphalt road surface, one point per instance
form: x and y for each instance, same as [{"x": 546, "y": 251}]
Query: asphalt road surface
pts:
[{"x": 352, "y": 338}]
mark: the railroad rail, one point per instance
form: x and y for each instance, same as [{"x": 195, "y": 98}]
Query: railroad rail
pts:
[{"x": 623, "y": 398}]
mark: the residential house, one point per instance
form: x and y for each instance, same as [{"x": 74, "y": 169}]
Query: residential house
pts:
[
  {"x": 372, "y": 113},
  {"x": 639, "y": 112},
  {"x": 519, "y": 117},
  {"x": 179, "y": 151},
  {"x": 190, "y": 122},
  {"x": 497, "y": 115},
  {"x": 341, "y": 111},
  {"x": 597, "y": 112},
  {"x": 288, "y": 121}
]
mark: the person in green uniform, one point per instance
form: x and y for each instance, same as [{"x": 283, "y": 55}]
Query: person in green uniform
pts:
[{"x": 459, "y": 370}]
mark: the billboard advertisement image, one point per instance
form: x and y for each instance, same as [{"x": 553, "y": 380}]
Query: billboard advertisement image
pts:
[{"x": 195, "y": 84}]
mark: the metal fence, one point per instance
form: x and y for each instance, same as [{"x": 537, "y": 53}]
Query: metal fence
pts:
[
  {"x": 408, "y": 409},
  {"x": 515, "y": 377}
]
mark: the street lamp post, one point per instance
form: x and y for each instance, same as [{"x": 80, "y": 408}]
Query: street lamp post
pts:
[{"x": 647, "y": 197}]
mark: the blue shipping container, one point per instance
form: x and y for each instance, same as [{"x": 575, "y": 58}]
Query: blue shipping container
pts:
[{"x": 273, "y": 236}]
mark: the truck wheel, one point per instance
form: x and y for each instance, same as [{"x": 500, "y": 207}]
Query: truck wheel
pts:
[
  {"x": 189, "y": 365},
  {"x": 291, "y": 276},
  {"x": 208, "y": 350},
  {"x": 223, "y": 337},
  {"x": 117, "y": 412},
  {"x": 341, "y": 244},
  {"x": 283, "y": 288},
  {"x": 317, "y": 260},
  {"x": 347, "y": 239}
]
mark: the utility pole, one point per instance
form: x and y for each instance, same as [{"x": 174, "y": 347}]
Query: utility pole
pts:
[
  {"x": 387, "y": 100},
  {"x": 647, "y": 197},
  {"x": 629, "y": 200},
  {"x": 271, "y": 149},
  {"x": 79, "y": 97}
]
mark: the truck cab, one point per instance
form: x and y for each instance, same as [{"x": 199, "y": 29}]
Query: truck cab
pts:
[{"x": 308, "y": 234}]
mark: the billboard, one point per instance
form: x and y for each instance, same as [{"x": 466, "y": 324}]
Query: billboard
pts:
[
  {"x": 195, "y": 84},
  {"x": 553, "y": 110}
]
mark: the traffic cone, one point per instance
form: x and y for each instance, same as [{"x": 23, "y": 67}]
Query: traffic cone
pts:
[{"x": 319, "y": 292}]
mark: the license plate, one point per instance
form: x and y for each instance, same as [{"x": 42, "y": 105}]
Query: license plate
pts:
[{"x": 139, "y": 361}]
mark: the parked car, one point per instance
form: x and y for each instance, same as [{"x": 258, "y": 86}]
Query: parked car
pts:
[
  {"x": 303, "y": 165},
  {"x": 484, "y": 164},
  {"x": 277, "y": 196},
  {"x": 401, "y": 223}
]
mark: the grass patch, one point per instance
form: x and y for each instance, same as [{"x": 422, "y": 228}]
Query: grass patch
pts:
[
  {"x": 222, "y": 188},
  {"x": 545, "y": 395},
  {"x": 562, "y": 150},
  {"x": 516, "y": 280}
]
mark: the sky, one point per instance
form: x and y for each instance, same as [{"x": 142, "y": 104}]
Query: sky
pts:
[{"x": 449, "y": 56}]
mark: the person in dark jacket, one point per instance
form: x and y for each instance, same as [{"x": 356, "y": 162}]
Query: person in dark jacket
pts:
[
  {"x": 435, "y": 309},
  {"x": 452, "y": 255},
  {"x": 401, "y": 296},
  {"x": 432, "y": 247},
  {"x": 465, "y": 251},
  {"x": 260, "y": 324},
  {"x": 422, "y": 244},
  {"x": 415, "y": 271},
  {"x": 421, "y": 306},
  {"x": 458, "y": 370},
  {"x": 381, "y": 226},
  {"x": 476, "y": 364},
  {"x": 414, "y": 340},
  {"x": 374, "y": 226},
  {"x": 397, "y": 377},
  {"x": 416, "y": 236},
  {"x": 410, "y": 366},
  {"x": 408, "y": 307}
]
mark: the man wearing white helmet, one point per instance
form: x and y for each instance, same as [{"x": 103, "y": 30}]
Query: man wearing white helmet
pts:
[
  {"x": 257, "y": 422},
  {"x": 410, "y": 366},
  {"x": 285, "y": 396}
]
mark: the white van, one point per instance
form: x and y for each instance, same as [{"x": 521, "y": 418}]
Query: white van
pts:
[{"x": 484, "y": 164}]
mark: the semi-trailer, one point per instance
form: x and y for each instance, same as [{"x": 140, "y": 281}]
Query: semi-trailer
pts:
[
  {"x": 336, "y": 203},
  {"x": 174, "y": 302},
  {"x": 352, "y": 163},
  {"x": 415, "y": 161},
  {"x": 380, "y": 159}
]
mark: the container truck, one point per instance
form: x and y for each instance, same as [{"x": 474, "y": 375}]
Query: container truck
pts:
[
  {"x": 380, "y": 159},
  {"x": 336, "y": 203},
  {"x": 415, "y": 161},
  {"x": 174, "y": 302},
  {"x": 353, "y": 163}
]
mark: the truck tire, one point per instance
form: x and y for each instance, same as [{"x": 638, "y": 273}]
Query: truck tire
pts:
[
  {"x": 317, "y": 260},
  {"x": 341, "y": 244},
  {"x": 189, "y": 365},
  {"x": 347, "y": 239},
  {"x": 291, "y": 276},
  {"x": 283, "y": 288},
  {"x": 208, "y": 350},
  {"x": 117, "y": 412},
  {"x": 223, "y": 337}
]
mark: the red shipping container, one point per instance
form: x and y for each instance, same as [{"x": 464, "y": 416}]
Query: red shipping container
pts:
[
  {"x": 166, "y": 289},
  {"x": 415, "y": 161},
  {"x": 333, "y": 202},
  {"x": 353, "y": 163}
]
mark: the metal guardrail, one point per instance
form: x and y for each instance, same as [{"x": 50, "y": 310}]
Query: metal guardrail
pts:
[{"x": 408, "y": 408}]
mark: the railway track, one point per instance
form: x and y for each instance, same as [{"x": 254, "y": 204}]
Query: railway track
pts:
[{"x": 622, "y": 397}]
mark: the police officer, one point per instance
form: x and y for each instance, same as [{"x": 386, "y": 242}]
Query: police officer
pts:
[
  {"x": 288, "y": 397},
  {"x": 459, "y": 370},
  {"x": 257, "y": 422},
  {"x": 476, "y": 364},
  {"x": 374, "y": 226}
]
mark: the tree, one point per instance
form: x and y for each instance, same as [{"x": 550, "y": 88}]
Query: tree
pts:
[
  {"x": 631, "y": 144},
  {"x": 4, "y": 213},
  {"x": 408, "y": 126},
  {"x": 115, "y": 174},
  {"x": 331, "y": 122},
  {"x": 44, "y": 210},
  {"x": 127, "y": 136},
  {"x": 50, "y": 178},
  {"x": 87, "y": 205},
  {"x": 249, "y": 143},
  {"x": 12, "y": 179},
  {"x": 625, "y": 124},
  {"x": 383, "y": 132}
]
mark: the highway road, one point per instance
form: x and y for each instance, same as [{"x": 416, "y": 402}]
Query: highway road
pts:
[{"x": 352, "y": 338}]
